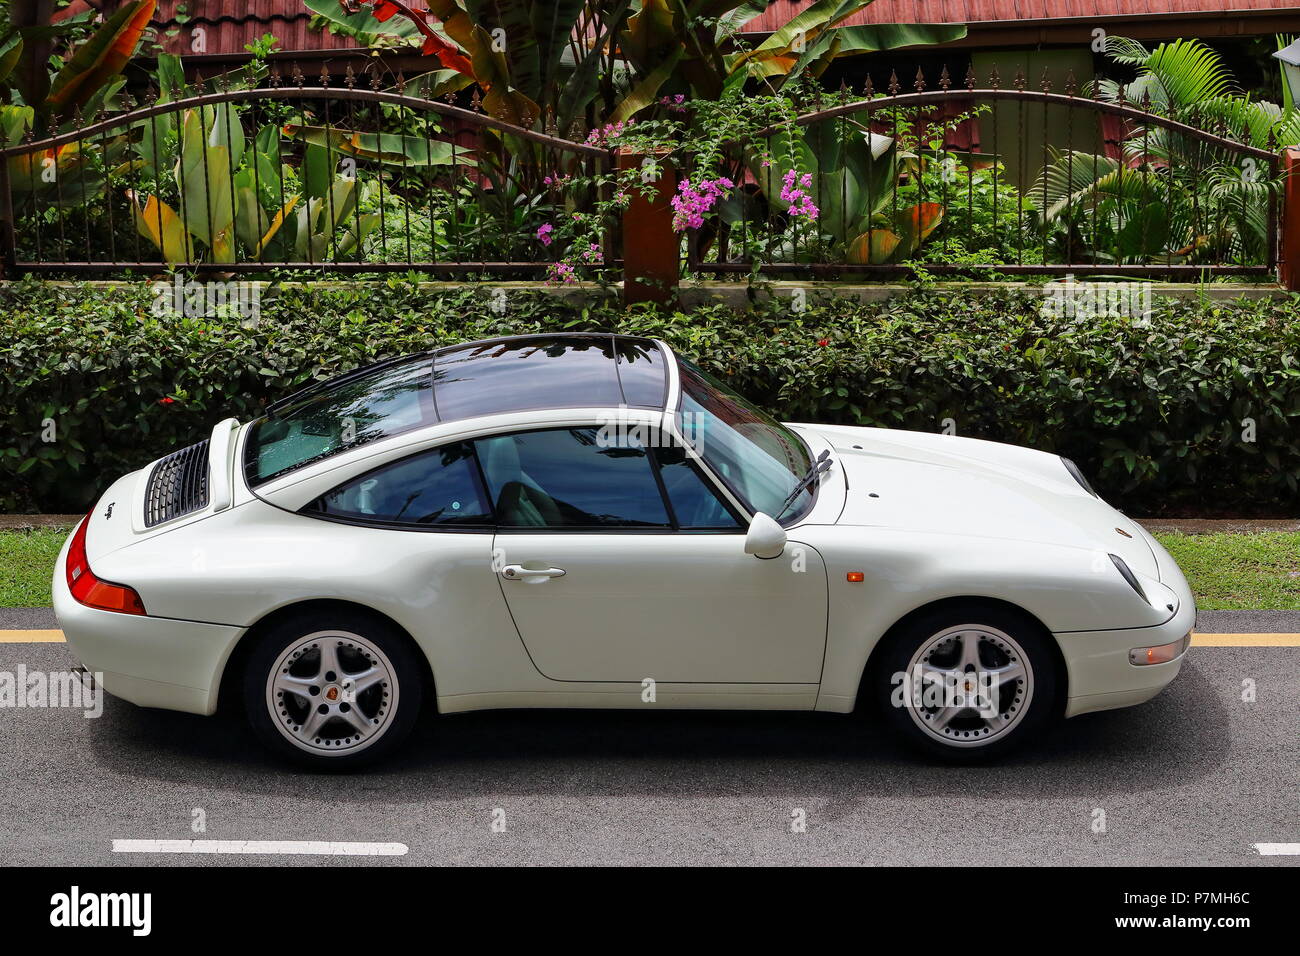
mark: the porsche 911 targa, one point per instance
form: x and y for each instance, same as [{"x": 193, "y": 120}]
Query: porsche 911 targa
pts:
[{"x": 591, "y": 521}]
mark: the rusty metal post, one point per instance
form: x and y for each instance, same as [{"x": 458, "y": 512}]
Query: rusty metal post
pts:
[
  {"x": 651, "y": 256},
  {"x": 1289, "y": 255}
]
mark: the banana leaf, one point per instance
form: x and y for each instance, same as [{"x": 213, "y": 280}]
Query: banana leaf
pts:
[
  {"x": 101, "y": 57},
  {"x": 398, "y": 149},
  {"x": 159, "y": 223},
  {"x": 203, "y": 172},
  {"x": 10, "y": 54}
]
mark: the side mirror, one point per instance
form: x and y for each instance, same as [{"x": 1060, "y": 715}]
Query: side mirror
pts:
[{"x": 766, "y": 538}]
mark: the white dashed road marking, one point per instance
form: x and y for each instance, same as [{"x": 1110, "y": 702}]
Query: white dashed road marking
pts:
[
  {"x": 261, "y": 847},
  {"x": 1277, "y": 849}
]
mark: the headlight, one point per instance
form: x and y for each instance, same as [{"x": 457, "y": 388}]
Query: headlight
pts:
[
  {"x": 1127, "y": 573},
  {"x": 1077, "y": 475}
]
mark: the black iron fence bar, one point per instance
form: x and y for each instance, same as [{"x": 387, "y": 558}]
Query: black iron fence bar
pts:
[
  {"x": 931, "y": 98},
  {"x": 305, "y": 93},
  {"x": 264, "y": 267},
  {"x": 1103, "y": 269}
]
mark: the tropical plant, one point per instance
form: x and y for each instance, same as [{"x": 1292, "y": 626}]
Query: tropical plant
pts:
[
  {"x": 233, "y": 195},
  {"x": 1169, "y": 198},
  {"x": 841, "y": 189},
  {"x": 89, "y": 75},
  {"x": 563, "y": 63},
  {"x": 86, "y": 81}
]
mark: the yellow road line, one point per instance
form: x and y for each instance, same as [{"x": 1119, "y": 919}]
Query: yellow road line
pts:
[
  {"x": 1198, "y": 640},
  {"x": 31, "y": 637},
  {"x": 1246, "y": 640}
]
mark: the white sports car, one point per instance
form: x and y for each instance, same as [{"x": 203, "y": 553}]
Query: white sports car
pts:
[{"x": 589, "y": 520}]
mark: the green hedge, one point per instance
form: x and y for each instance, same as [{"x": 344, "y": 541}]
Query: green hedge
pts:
[{"x": 1152, "y": 410}]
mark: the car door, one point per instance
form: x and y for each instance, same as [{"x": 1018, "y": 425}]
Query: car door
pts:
[
  {"x": 415, "y": 542},
  {"x": 620, "y": 563}
]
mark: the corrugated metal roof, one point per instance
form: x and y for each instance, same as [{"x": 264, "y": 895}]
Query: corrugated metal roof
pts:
[
  {"x": 226, "y": 28},
  {"x": 984, "y": 11}
]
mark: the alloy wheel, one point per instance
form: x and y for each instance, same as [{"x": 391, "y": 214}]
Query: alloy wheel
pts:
[
  {"x": 332, "y": 692},
  {"x": 980, "y": 683}
]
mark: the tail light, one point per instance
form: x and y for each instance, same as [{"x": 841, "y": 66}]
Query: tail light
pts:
[{"x": 90, "y": 590}]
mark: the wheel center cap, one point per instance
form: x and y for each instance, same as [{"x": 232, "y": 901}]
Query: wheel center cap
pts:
[{"x": 331, "y": 693}]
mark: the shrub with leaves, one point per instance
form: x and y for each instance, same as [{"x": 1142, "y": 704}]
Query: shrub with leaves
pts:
[{"x": 1194, "y": 409}]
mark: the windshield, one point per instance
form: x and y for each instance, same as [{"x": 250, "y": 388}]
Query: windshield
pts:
[
  {"x": 760, "y": 459},
  {"x": 355, "y": 410}
]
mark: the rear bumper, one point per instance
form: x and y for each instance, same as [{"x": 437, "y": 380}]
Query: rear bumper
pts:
[{"x": 150, "y": 661}]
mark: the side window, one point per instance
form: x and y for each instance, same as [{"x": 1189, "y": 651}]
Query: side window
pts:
[
  {"x": 436, "y": 487},
  {"x": 570, "y": 478},
  {"x": 695, "y": 504}
]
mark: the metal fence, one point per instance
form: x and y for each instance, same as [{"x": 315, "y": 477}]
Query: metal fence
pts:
[
  {"x": 350, "y": 178},
  {"x": 997, "y": 180},
  {"x": 346, "y": 178}
]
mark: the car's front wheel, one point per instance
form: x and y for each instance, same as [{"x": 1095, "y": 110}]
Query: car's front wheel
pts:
[
  {"x": 967, "y": 684},
  {"x": 333, "y": 689}
]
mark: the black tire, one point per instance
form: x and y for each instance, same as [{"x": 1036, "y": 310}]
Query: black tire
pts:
[
  {"x": 1009, "y": 635},
  {"x": 294, "y": 647}
]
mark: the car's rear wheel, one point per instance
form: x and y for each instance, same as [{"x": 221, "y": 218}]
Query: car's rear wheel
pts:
[
  {"x": 333, "y": 689},
  {"x": 968, "y": 684}
]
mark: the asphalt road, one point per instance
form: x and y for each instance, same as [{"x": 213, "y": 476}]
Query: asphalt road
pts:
[{"x": 1194, "y": 777}]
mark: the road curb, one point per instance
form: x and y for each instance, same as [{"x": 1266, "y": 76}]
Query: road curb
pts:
[{"x": 27, "y": 522}]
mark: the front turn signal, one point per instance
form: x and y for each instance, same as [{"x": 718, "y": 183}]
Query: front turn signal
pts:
[{"x": 1160, "y": 654}]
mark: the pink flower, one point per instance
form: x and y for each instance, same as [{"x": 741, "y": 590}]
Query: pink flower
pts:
[
  {"x": 561, "y": 272},
  {"x": 693, "y": 201},
  {"x": 544, "y": 233},
  {"x": 801, "y": 204},
  {"x": 607, "y": 134}
]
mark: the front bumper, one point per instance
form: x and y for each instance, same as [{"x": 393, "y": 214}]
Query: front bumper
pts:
[
  {"x": 150, "y": 661},
  {"x": 1097, "y": 664}
]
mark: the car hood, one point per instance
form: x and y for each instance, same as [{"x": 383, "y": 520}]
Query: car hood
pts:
[{"x": 944, "y": 484}]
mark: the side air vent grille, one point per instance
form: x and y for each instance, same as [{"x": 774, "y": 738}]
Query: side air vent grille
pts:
[{"x": 178, "y": 485}]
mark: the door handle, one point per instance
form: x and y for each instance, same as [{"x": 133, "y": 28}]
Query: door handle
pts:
[{"x": 517, "y": 572}]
